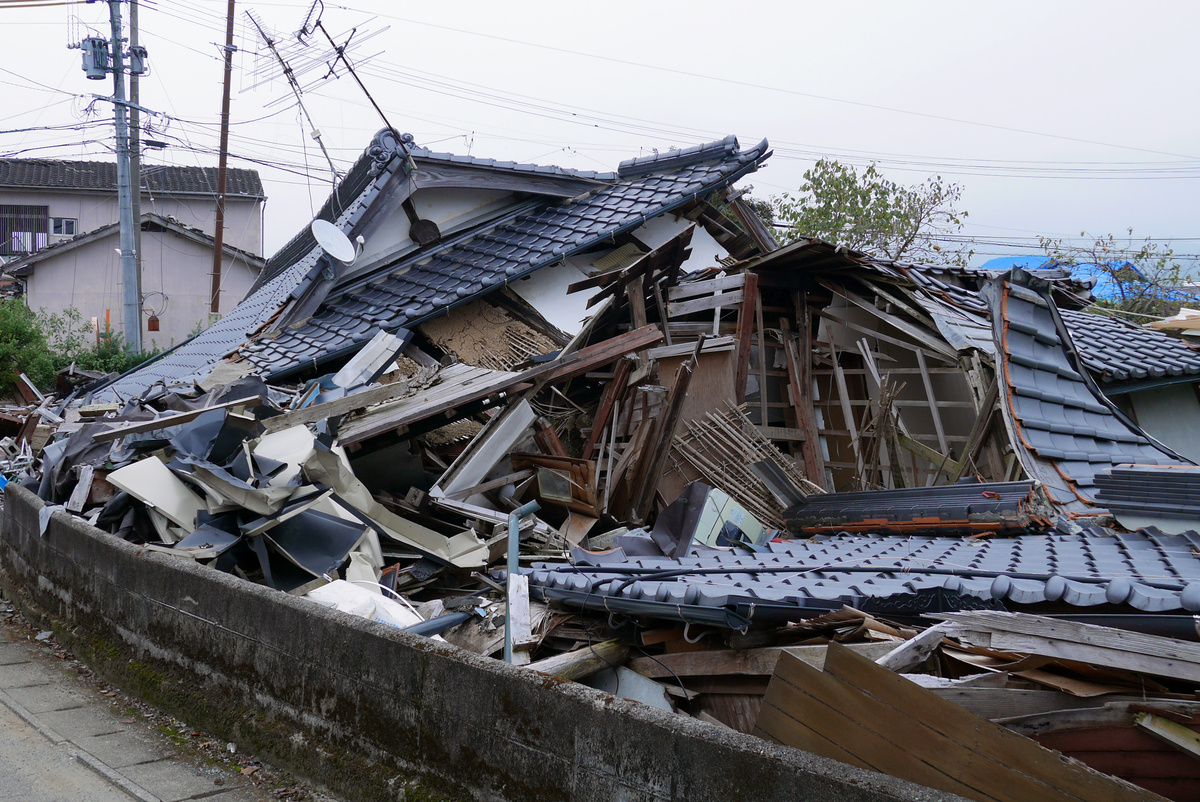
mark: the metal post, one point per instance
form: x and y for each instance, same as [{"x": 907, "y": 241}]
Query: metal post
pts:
[
  {"x": 129, "y": 273},
  {"x": 514, "y": 531},
  {"x": 214, "y": 306}
]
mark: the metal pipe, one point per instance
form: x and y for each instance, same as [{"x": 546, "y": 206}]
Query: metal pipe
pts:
[
  {"x": 436, "y": 626},
  {"x": 514, "y": 530}
]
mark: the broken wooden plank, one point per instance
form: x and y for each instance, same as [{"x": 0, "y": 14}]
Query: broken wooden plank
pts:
[
  {"x": 681, "y": 308},
  {"x": 613, "y": 391},
  {"x": 547, "y": 439},
  {"x": 694, "y": 289},
  {"x": 175, "y": 420},
  {"x": 856, "y": 712},
  {"x": 914, "y": 651},
  {"x": 582, "y": 662},
  {"x": 28, "y": 390},
  {"x": 83, "y": 489},
  {"x": 745, "y": 329},
  {"x": 649, "y": 471},
  {"x": 941, "y": 461},
  {"x": 1170, "y": 732},
  {"x": 491, "y": 484},
  {"x": 979, "y": 430},
  {"x": 798, "y": 359},
  {"x": 1069, "y": 640},
  {"x": 480, "y": 384},
  {"x": 741, "y": 662}
]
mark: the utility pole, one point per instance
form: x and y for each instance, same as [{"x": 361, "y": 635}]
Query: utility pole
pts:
[
  {"x": 135, "y": 149},
  {"x": 214, "y": 307},
  {"x": 129, "y": 270}
]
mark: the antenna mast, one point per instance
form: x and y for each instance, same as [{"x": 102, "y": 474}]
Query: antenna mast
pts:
[{"x": 295, "y": 85}]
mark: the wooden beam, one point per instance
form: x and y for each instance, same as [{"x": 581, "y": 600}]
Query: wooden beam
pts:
[
  {"x": 914, "y": 651},
  {"x": 848, "y": 414},
  {"x": 762, "y": 358},
  {"x": 695, "y": 289},
  {"x": 547, "y": 439},
  {"x": 561, "y": 369},
  {"x": 582, "y": 662},
  {"x": 975, "y": 439},
  {"x": 1086, "y": 643},
  {"x": 1170, "y": 732},
  {"x": 613, "y": 392},
  {"x": 491, "y": 484},
  {"x": 745, "y": 327},
  {"x": 941, "y": 461},
  {"x": 649, "y": 471},
  {"x": 933, "y": 404},
  {"x": 716, "y": 301},
  {"x": 741, "y": 662},
  {"x": 175, "y": 420},
  {"x": 661, "y": 305}
]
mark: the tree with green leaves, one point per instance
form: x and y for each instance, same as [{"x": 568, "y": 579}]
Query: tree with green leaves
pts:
[
  {"x": 869, "y": 213},
  {"x": 23, "y": 346},
  {"x": 1135, "y": 278}
]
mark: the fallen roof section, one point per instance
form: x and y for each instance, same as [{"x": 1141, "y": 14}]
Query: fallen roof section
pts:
[
  {"x": 897, "y": 576},
  {"x": 342, "y": 314},
  {"x": 1065, "y": 430}
]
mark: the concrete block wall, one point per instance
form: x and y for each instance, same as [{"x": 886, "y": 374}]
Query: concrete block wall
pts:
[{"x": 371, "y": 712}]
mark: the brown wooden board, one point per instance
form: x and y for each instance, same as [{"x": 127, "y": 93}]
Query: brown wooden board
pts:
[
  {"x": 734, "y": 710},
  {"x": 741, "y": 662},
  {"x": 865, "y": 715}
]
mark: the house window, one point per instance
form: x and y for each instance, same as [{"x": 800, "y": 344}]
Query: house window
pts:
[
  {"x": 62, "y": 226},
  {"x": 23, "y": 229}
]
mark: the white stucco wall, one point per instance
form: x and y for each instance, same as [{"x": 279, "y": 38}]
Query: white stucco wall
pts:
[
  {"x": 88, "y": 277},
  {"x": 243, "y": 217},
  {"x": 1171, "y": 415},
  {"x": 705, "y": 250}
]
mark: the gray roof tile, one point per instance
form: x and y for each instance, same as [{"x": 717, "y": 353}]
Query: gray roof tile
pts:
[
  {"x": 1143, "y": 570},
  {"x": 1118, "y": 351},
  {"x": 1066, "y": 429},
  {"x": 402, "y": 293},
  {"x": 102, "y": 176}
]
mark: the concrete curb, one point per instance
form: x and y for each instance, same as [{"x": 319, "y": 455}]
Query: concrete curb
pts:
[{"x": 78, "y": 753}]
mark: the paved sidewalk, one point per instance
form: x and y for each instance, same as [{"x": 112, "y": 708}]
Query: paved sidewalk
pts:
[{"x": 62, "y": 739}]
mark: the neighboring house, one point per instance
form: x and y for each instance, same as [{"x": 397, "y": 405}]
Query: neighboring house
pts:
[
  {"x": 45, "y": 202},
  {"x": 84, "y": 272}
]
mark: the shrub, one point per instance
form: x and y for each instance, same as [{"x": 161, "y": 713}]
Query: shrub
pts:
[{"x": 23, "y": 346}]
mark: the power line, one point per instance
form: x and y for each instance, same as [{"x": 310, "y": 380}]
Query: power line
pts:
[{"x": 765, "y": 87}]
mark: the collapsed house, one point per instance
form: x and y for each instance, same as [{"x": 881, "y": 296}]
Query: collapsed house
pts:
[{"x": 573, "y": 417}]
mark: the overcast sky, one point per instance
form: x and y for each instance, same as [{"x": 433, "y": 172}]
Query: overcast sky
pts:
[{"x": 1055, "y": 117}]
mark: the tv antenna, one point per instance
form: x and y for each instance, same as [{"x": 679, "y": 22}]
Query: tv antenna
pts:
[
  {"x": 290, "y": 75},
  {"x": 312, "y": 24}
]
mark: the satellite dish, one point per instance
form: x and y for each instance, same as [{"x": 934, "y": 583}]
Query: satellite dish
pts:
[{"x": 333, "y": 241}]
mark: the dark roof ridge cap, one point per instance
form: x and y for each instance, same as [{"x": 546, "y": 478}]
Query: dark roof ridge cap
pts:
[
  {"x": 385, "y": 147},
  {"x": 719, "y": 150}
]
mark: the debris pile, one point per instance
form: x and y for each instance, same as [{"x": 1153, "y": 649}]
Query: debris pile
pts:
[{"x": 646, "y": 449}]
